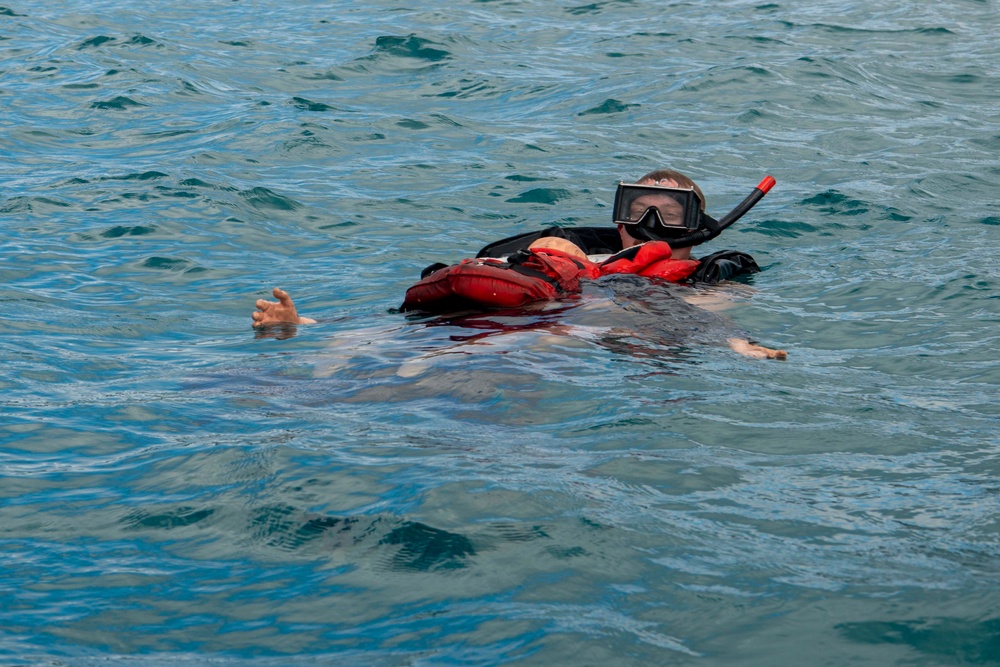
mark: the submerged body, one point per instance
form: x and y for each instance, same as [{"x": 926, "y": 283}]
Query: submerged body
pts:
[{"x": 623, "y": 314}]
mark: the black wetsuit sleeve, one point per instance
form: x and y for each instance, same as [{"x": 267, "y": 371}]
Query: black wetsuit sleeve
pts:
[{"x": 723, "y": 265}]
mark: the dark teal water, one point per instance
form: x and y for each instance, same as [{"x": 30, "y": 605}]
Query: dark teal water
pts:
[{"x": 599, "y": 484}]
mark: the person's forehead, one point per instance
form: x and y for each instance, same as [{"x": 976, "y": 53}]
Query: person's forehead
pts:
[
  {"x": 653, "y": 197},
  {"x": 665, "y": 182}
]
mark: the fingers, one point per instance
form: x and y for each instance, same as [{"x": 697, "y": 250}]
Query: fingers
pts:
[
  {"x": 260, "y": 314},
  {"x": 282, "y": 296},
  {"x": 748, "y": 349},
  {"x": 280, "y": 312},
  {"x": 768, "y": 353}
]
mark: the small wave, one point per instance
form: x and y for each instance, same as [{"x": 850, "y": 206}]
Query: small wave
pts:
[
  {"x": 119, "y": 103},
  {"x": 309, "y": 105},
  {"x": 264, "y": 199},
  {"x": 121, "y": 230},
  {"x": 608, "y": 106},
  {"x": 411, "y": 46},
  {"x": 541, "y": 196},
  {"x": 171, "y": 264}
]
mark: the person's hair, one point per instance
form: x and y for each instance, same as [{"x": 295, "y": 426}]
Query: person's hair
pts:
[{"x": 675, "y": 176}]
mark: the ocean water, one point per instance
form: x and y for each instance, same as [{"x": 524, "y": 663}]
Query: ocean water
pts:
[{"x": 601, "y": 481}]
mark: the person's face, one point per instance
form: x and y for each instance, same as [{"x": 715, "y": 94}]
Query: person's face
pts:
[{"x": 628, "y": 241}]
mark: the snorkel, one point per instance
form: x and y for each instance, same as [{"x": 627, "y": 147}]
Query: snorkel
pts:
[
  {"x": 710, "y": 227},
  {"x": 707, "y": 227}
]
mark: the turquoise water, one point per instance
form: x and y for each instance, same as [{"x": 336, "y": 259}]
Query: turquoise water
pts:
[{"x": 598, "y": 483}]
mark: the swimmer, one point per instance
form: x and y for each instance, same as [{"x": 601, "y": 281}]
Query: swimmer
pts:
[{"x": 668, "y": 211}]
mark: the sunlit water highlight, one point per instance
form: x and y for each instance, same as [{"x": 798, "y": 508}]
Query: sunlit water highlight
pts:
[{"x": 597, "y": 482}]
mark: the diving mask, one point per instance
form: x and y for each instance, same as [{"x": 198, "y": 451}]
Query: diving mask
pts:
[
  {"x": 657, "y": 212},
  {"x": 675, "y": 215}
]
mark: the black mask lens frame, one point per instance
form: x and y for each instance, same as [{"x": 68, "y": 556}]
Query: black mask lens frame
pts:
[{"x": 650, "y": 223}]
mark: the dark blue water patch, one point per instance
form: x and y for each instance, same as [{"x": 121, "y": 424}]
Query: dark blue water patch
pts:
[
  {"x": 170, "y": 264},
  {"x": 992, "y": 220},
  {"x": 324, "y": 76},
  {"x": 136, "y": 176},
  {"x": 119, "y": 231},
  {"x": 345, "y": 223},
  {"x": 593, "y": 8},
  {"x": 519, "y": 533},
  {"x": 411, "y": 46},
  {"x": 423, "y": 548},
  {"x": 750, "y": 116},
  {"x": 101, "y": 40},
  {"x": 285, "y": 527},
  {"x": 858, "y": 30},
  {"x": 972, "y": 642},
  {"x": 180, "y": 517},
  {"x": 119, "y": 103},
  {"x": 566, "y": 553},
  {"x": 833, "y": 202},
  {"x": 30, "y": 204},
  {"x": 411, "y": 124},
  {"x": 418, "y": 547},
  {"x": 467, "y": 89},
  {"x": 785, "y": 229},
  {"x": 198, "y": 183},
  {"x": 142, "y": 40},
  {"x": 609, "y": 106},
  {"x": 6, "y": 11},
  {"x": 308, "y": 139},
  {"x": 520, "y": 178},
  {"x": 309, "y": 105},
  {"x": 541, "y": 196},
  {"x": 174, "y": 193},
  {"x": 264, "y": 199},
  {"x": 189, "y": 88},
  {"x": 94, "y": 42},
  {"x": 445, "y": 120}
]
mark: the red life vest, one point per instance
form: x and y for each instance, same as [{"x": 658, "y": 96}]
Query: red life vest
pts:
[
  {"x": 537, "y": 274},
  {"x": 653, "y": 260}
]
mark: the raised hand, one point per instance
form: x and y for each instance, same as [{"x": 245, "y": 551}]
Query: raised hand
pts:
[{"x": 280, "y": 312}]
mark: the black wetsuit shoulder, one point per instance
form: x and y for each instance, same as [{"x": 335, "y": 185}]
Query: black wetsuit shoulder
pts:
[{"x": 593, "y": 240}]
